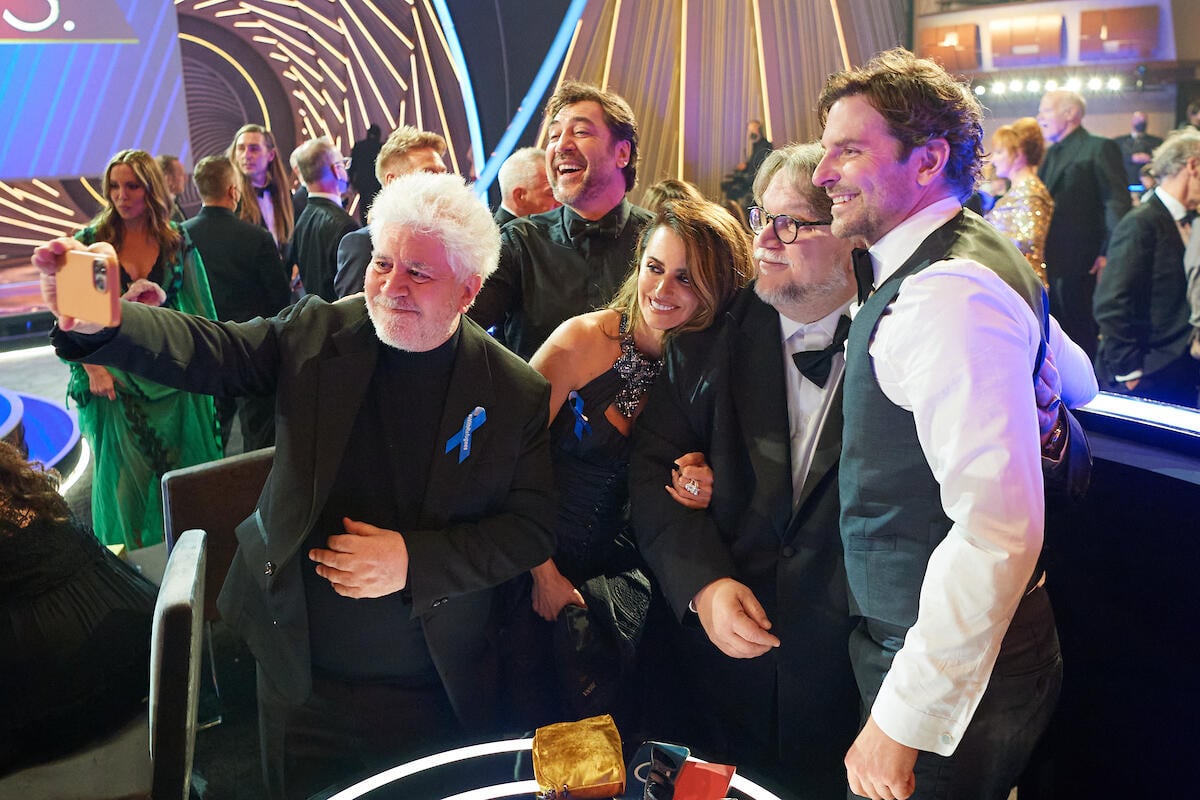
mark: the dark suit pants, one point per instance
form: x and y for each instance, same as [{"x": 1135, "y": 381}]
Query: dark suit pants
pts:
[
  {"x": 345, "y": 732},
  {"x": 1174, "y": 383},
  {"x": 257, "y": 415},
  {"x": 1071, "y": 304},
  {"x": 1011, "y": 717}
]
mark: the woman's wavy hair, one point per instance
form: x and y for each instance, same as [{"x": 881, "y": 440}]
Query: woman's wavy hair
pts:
[
  {"x": 27, "y": 491},
  {"x": 1023, "y": 136},
  {"x": 108, "y": 223},
  {"x": 720, "y": 261},
  {"x": 919, "y": 101}
]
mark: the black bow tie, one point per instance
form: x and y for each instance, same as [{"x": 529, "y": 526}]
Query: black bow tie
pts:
[
  {"x": 864, "y": 273},
  {"x": 261, "y": 190},
  {"x": 1189, "y": 216},
  {"x": 816, "y": 364},
  {"x": 578, "y": 228}
]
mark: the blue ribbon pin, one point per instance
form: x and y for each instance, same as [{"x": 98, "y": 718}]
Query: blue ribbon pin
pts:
[
  {"x": 462, "y": 439},
  {"x": 582, "y": 426}
]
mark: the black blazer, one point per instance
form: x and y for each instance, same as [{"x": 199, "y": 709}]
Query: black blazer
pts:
[
  {"x": 1141, "y": 305},
  {"x": 353, "y": 256},
  {"x": 484, "y": 520},
  {"x": 314, "y": 244},
  {"x": 722, "y": 391},
  {"x": 1085, "y": 175},
  {"x": 245, "y": 272}
]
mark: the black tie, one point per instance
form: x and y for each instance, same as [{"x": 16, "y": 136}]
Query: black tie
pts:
[
  {"x": 815, "y": 364},
  {"x": 578, "y": 228},
  {"x": 1189, "y": 216},
  {"x": 864, "y": 273},
  {"x": 261, "y": 190}
]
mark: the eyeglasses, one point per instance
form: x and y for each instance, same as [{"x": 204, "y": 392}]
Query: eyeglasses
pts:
[{"x": 787, "y": 227}]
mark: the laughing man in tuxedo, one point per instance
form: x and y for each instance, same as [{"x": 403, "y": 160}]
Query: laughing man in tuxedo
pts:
[{"x": 411, "y": 476}]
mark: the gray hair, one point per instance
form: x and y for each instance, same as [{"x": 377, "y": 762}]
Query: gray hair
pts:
[
  {"x": 313, "y": 157},
  {"x": 519, "y": 168},
  {"x": 1173, "y": 154},
  {"x": 444, "y": 207},
  {"x": 797, "y": 162}
]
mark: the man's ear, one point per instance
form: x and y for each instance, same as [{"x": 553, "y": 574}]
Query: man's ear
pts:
[
  {"x": 470, "y": 288},
  {"x": 623, "y": 150},
  {"x": 933, "y": 156}
]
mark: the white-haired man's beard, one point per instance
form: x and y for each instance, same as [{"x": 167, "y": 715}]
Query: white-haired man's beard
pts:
[{"x": 403, "y": 325}]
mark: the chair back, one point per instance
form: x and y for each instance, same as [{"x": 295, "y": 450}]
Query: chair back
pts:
[
  {"x": 214, "y": 497},
  {"x": 175, "y": 666}
]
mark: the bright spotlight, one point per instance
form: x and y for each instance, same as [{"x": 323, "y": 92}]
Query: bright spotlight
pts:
[
  {"x": 1015, "y": 85},
  {"x": 981, "y": 90},
  {"x": 1074, "y": 85},
  {"x": 998, "y": 88},
  {"x": 1114, "y": 84},
  {"x": 1095, "y": 84},
  {"x": 1051, "y": 85},
  {"x": 1033, "y": 86}
]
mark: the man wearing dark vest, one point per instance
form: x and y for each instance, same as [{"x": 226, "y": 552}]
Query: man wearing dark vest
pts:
[
  {"x": 756, "y": 580},
  {"x": 956, "y": 656},
  {"x": 411, "y": 477},
  {"x": 570, "y": 260}
]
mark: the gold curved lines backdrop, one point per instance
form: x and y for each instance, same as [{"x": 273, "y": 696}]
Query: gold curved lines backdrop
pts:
[
  {"x": 348, "y": 63},
  {"x": 34, "y": 211}
]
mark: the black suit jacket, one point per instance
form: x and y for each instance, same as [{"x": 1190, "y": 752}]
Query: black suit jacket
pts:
[
  {"x": 1086, "y": 177},
  {"x": 314, "y": 244},
  {"x": 245, "y": 272},
  {"x": 353, "y": 256},
  {"x": 483, "y": 520},
  {"x": 1142, "y": 305},
  {"x": 503, "y": 216},
  {"x": 722, "y": 392}
]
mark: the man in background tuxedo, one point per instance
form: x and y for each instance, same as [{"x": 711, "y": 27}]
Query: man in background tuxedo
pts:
[
  {"x": 524, "y": 187},
  {"x": 1136, "y": 147},
  {"x": 1142, "y": 305},
  {"x": 411, "y": 477},
  {"x": 324, "y": 222},
  {"x": 757, "y": 578},
  {"x": 1086, "y": 178},
  {"x": 175, "y": 178},
  {"x": 406, "y": 150},
  {"x": 569, "y": 260},
  {"x": 247, "y": 279}
]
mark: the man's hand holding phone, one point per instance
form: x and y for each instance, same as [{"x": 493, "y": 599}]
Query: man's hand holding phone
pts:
[{"x": 81, "y": 284}]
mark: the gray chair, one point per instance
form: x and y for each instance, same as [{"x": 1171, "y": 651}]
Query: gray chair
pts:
[
  {"x": 152, "y": 755},
  {"x": 215, "y": 497}
]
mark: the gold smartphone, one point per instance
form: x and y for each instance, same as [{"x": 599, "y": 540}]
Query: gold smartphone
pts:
[{"x": 88, "y": 290}]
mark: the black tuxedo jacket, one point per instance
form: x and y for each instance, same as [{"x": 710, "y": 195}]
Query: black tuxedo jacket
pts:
[
  {"x": 353, "y": 256},
  {"x": 484, "y": 520},
  {"x": 503, "y": 216},
  {"x": 245, "y": 272},
  {"x": 314, "y": 244},
  {"x": 1141, "y": 304},
  {"x": 1086, "y": 177},
  {"x": 722, "y": 391}
]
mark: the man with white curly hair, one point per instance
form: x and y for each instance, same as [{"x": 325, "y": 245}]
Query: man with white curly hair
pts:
[{"x": 411, "y": 477}]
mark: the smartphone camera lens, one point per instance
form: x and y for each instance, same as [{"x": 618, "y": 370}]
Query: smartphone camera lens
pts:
[{"x": 100, "y": 275}]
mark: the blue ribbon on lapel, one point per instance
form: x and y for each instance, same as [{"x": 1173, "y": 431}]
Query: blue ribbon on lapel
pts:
[
  {"x": 462, "y": 439},
  {"x": 582, "y": 426}
]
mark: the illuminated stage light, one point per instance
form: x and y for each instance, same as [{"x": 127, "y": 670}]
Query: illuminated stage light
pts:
[
  {"x": 980, "y": 90},
  {"x": 1095, "y": 84},
  {"x": 1114, "y": 84}
]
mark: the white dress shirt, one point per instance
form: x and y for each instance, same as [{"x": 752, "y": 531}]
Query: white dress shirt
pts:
[
  {"x": 808, "y": 403},
  {"x": 957, "y": 349}
]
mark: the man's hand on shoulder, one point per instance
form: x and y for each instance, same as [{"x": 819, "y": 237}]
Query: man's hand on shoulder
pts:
[
  {"x": 365, "y": 561},
  {"x": 734, "y": 619},
  {"x": 879, "y": 767}
]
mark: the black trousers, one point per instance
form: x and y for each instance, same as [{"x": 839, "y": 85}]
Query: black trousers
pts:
[
  {"x": 1011, "y": 717},
  {"x": 345, "y": 732},
  {"x": 257, "y": 414}
]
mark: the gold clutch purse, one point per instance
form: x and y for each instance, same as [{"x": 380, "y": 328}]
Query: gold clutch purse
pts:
[{"x": 579, "y": 759}]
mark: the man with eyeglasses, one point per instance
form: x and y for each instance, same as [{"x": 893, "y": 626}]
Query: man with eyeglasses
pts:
[
  {"x": 756, "y": 579},
  {"x": 320, "y": 229}
]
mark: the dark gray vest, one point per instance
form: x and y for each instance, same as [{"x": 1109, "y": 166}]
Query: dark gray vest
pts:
[{"x": 892, "y": 516}]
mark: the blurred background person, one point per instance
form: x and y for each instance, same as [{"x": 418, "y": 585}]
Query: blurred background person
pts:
[
  {"x": 1023, "y": 213},
  {"x": 266, "y": 188},
  {"x": 738, "y": 183},
  {"x": 74, "y": 624},
  {"x": 669, "y": 189},
  {"x": 691, "y": 259},
  {"x": 314, "y": 247},
  {"x": 362, "y": 170},
  {"x": 524, "y": 186},
  {"x": 138, "y": 429},
  {"x": 175, "y": 177},
  {"x": 1137, "y": 146}
]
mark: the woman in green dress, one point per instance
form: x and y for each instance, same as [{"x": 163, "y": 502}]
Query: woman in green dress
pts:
[{"x": 138, "y": 429}]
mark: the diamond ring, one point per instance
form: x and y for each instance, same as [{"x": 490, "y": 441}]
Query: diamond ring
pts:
[{"x": 692, "y": 488}]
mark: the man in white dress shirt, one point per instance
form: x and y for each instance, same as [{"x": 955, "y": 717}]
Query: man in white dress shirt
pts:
[{"x": 957, "y": 656}]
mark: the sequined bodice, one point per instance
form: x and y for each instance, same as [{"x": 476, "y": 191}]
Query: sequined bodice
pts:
[{"x": 1023, "y": 215}]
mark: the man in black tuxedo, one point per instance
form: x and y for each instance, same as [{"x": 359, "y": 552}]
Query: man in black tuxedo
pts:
[
  {"x": 1085, "y": 176},
  {"x": 320, "y": 229},
  {"x": 1142, "y": 304},
  {"x": 569, "y": 260},
  {"x": 247, "y": 279},
  {"x": 524, "y": 187},
  {"x": 757, "y": 579},
  {"x": 1137, "y": 146},
  {"x": 406, "y": 150},
  {"x": 411, "y": 477}
]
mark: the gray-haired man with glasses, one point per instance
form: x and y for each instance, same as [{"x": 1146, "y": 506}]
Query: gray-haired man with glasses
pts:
[{"x": 757, "y": 579}]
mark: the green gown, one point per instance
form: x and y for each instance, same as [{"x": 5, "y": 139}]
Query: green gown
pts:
[{"x": 150, "y": 428}]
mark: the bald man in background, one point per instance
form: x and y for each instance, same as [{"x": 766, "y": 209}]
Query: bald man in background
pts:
[{"x": 524, "y": 186}]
